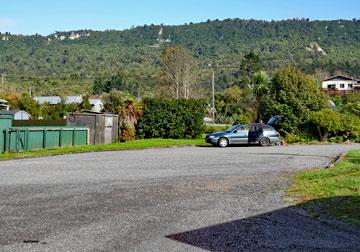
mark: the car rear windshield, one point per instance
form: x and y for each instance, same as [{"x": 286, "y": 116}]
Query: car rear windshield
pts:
[{"x": 268, "y": 128}]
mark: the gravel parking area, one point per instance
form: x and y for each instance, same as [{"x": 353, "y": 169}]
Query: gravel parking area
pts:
[{"x": 171, "y": 199}]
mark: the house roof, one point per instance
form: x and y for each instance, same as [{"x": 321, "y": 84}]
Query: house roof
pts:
[
  {"x": 95, "y": 97},
  {"x": 73, "y": 99},
  {"x": 57, "y": 99},
  {"x": 94, "y": 101},
  {"x": 3, "y": 101},
  {"x": 47, "y": 99},
  {"x": 340, "y": 77}
]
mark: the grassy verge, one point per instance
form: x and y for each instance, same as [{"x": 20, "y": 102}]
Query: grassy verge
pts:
[
  {"x": 137, "y": 144},
  {"x": 333, "y": 192}
]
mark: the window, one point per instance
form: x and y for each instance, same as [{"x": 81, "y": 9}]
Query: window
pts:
[
  {"x": 342, "y": 85},
  {"x": 331, "y": 86},
  {"x": 350, "y": 85},
  {"x": 267, "y": 128},
  {"x": 244, "y": 128}
]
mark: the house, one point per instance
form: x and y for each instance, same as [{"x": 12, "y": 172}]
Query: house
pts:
[
  {"x": 4, "y": 104},
  {"x": 17, "y": 114},
  {"x": 340, "y": 84},
  {"x": 96, "y": 103}
]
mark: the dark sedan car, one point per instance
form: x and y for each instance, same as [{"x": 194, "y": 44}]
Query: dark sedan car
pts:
[{"x": 253, "y": 133}]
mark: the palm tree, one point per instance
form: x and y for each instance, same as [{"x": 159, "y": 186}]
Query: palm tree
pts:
[
  {"x": 259, "y": 86},
  {"x": 129, "y": 110}
]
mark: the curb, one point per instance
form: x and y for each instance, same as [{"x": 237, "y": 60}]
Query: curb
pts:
[
  {"x": 95, "y": 151},
  {"x": 337, "y": 159}
]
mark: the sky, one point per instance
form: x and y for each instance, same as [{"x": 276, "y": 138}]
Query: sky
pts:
[{"x": 47, "y": 16}]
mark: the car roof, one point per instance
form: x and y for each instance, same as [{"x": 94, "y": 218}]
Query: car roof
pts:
[{"x": 256, "y": 124}]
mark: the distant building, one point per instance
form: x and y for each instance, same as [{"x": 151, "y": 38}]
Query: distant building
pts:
[
  {"x": 340, "y": 84},
  {"x": 4, "y": 104},
  {"x": 17, "y": 114},
  {"x": 95, "y": 101},
  {"x": 57, "y": 99}
]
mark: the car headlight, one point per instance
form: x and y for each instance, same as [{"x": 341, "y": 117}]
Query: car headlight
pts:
[{"x": 211, "y": 136}]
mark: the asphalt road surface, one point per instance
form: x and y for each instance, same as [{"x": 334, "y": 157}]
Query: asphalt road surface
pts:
[{"x": 171, "y": 199}]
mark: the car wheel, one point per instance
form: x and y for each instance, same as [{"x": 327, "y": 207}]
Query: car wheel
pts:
[
  {"x": 264, "y": 141},
  {"x": 223, "y": 142}
]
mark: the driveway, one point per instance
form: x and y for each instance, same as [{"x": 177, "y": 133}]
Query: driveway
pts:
[{"x": 171, "y": 199}]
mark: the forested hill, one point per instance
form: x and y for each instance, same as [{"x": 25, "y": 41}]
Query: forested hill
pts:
[{"x": 80, "y": 56}]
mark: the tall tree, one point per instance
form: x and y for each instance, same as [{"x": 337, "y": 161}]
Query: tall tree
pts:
[
  {"x": 129, "y": 110},
  {"x": 178, "y": 67},
  {"x": 250, "y": 64},
  {"x": 259, "y": 86}
]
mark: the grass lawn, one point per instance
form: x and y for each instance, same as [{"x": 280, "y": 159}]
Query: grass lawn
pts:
[
  {"x": 137, "y": 144},
  {"x": 334, "y": 191}
]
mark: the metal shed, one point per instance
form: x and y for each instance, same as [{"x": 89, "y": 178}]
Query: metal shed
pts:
[{"x": 103, "y": 127}]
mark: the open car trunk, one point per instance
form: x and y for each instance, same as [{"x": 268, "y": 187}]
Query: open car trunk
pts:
[{"x": 273, "y": 121}]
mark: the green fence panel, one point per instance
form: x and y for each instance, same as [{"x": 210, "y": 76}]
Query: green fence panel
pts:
[
  {"x": 36, "y": 139},
  {"x": 66, "y": 138},
  {"x": 52, "y": 139},
  {"x": 81, "y": 137},
  {"x": 5, "y": 123}
]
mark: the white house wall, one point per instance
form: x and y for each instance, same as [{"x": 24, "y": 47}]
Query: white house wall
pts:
[{"x": 337, "y": 84}]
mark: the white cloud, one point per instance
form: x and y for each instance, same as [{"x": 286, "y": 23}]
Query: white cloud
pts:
[{"x": 6, "y": 23}]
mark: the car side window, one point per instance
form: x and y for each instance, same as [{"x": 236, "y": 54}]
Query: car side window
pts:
[
  {"x": 244, "y": 128},
  {"x": 252, "y": 129}
]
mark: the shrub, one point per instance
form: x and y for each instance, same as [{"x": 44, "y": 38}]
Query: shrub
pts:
[
  {"x": 294, "y": 138},
  {"x": 293, "y": 95},
  {"x": 212, "y": 129},
  {"x": 350, "y": 127},
  {"x": 327, "y": 122},
  {"x": 127, "y": 132},
  {"x": 164, "y": 118}
]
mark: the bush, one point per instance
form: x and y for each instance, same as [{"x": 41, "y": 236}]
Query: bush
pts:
[
  {"x": 293, "y": 95},
  {"x": 293, "y": 138},
  {"x": 178, "y": 119},
  {"x": 327, "y": 122},
  {"x": 350, "y": 127},
  {"x": 212, "y": 129},
  {"x": 127, "y": 132}
]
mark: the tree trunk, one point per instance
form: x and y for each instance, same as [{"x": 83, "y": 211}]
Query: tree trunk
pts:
[
  {"x": 324, "y": 135},
  {"x": 257, "y": 109}
]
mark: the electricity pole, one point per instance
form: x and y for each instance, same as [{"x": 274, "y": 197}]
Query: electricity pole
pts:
[
  {"x": 2, "y": 79},
  {"x": 213, "y": 96}
]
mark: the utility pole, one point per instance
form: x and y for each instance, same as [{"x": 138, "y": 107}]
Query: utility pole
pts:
[
  {"x": 2, "y": 79},
  {"x": 213, "y": 93},
  {"x": 213, "y": 96},
  {"x": 139, "y": 92}
]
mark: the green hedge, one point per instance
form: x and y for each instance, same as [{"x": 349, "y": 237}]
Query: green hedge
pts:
[{"x": 178, "y": 119}]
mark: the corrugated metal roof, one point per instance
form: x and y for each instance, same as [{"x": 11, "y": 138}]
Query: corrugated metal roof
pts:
[
  {"x": 73, "y": 99},
  {"x": 57, "y": 99},
  {"x": 47, "y": 99}
]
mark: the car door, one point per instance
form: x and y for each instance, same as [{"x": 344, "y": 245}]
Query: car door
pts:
[
  {"x": 254, "y": 134},
  {"x": 240, "y": 135}
]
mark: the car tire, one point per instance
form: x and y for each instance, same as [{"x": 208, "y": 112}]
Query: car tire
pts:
[
  {"x": 223, "y": 142},
  {"x": 264, "y": 141}
]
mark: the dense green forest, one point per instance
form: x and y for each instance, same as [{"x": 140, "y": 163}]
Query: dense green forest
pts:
[{"x": 70, "y": 62}]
